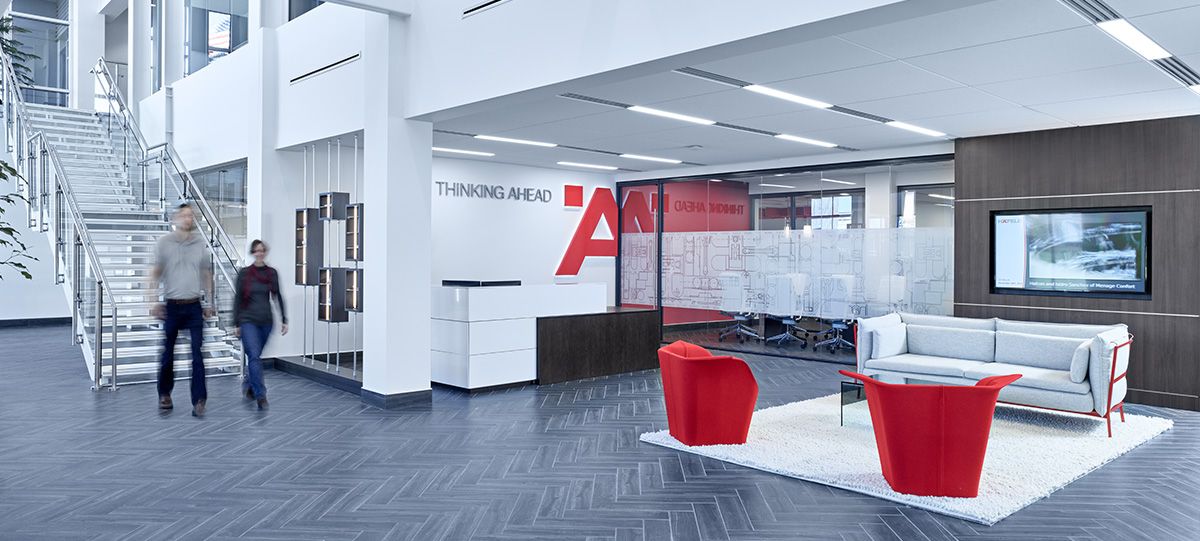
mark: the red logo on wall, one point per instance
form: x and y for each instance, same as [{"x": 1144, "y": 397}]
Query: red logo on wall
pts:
[{"x": 603, "y": 205}]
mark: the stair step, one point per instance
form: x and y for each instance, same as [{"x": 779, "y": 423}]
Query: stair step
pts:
[
  {"x": 182, "y": 368},
  {"x": 136, "y": 321},
  {"x": 126, "y": 222},
  {"x": 181, "y": 347},
  {"x": 213, "y": 333}
]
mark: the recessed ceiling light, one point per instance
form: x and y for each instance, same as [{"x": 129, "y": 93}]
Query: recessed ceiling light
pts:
[
  {"x": 781, "y": 174},
  {"x": 714, "y": 180},
  {"x": 768, "y": 91},
  {"x": 843, "y": 193},
  {"x": 460, "y": 151},
  {"x": 943, "y": 205},
  {"x": 650, "y": 158},
  {"x": 588, "y": 165},
  {"x": 940, "y": 196},
  {"x": 1134, "y": 39},
  {"x": 805, "y": 140},
  {"x": 916, "y": 129},
  {"x": 836, "y": 181},
  {"x": 517, "y": 141},
  {"x": 765, "y": 185},
  {"x": 674, "y": 116}
]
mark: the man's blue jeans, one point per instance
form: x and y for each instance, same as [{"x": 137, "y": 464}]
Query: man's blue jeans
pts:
[{"x": 189, "y": 317}]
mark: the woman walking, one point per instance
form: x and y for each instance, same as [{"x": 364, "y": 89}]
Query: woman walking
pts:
[{"x": 256, "y": 284}]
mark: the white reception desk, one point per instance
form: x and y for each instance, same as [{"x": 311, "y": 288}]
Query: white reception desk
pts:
[{"x": 487, "y": 336}]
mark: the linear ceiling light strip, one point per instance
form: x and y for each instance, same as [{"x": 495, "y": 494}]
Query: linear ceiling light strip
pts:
[
  {"x": 701, "y": 121},
  {"x": 625, "y": 155},
  {"x": 802, "y": 100},
  {"x": 1117, "y": 27}
]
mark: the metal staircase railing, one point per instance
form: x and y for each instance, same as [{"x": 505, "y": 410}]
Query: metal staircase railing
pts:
[
  {"x": 54, "y": 209},
  {"x": 174, "y": 182}
]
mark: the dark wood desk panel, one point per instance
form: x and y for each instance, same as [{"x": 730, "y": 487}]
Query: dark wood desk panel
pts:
[{"x": 591, "y": 345}]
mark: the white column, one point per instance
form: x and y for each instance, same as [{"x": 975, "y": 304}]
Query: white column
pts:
[
  {"x": 397, "y": 181},
  {"x": 881, "y": 200},
  {"x": 141, "y": 74},
  {"x": 174, "y": 40},
  {"x": 267, "y": 15},
  {"x": 86, "y": 37}
]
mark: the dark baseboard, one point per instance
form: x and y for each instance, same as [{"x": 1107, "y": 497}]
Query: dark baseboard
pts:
[
  {"x": 397, "y": 401},
  {"x": 35, "y": 322},
  {"x": 293, "y": 365}
]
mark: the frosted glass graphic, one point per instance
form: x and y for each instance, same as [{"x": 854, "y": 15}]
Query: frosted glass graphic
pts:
[{"x": 831, "y": 274}]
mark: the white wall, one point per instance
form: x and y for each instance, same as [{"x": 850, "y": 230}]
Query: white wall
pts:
[
  {"x": 486, "y": 239},
  {"x": 212, "y": 111},
  {"x": 30, "y": 299},
  {"x": 329, "y": 103}
]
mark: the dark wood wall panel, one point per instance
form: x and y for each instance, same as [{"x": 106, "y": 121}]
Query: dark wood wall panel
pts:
[
  {"x": 592, "y": 345},
  {"x": 1096, "y": 166}
]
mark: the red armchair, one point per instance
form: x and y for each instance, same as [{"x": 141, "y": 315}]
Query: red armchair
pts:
[
  {"x": 709, "y": 399},
  {"x": 932, "y": 438}
]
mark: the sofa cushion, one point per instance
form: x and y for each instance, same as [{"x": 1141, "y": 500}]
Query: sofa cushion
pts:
[
  {"x": 862, "y": 350},
  {"x": 1031, "y": 376},
  {"x": 1051, "y": 352},
  {"x": 924, "y": 364},
  {"x": 949, "y": 321},
  {"x": 968, "y": 344},
  {"x": 1079, "y": 362},
  {"x": 889, "y": 341},
  {"x": 1064, "y": 330}
]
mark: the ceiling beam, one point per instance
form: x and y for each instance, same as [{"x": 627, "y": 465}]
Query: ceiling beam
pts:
[{"x": 391, "y": 7}]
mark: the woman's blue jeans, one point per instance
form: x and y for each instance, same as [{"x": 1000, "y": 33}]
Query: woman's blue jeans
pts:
[{"x": 254, "y": 339}]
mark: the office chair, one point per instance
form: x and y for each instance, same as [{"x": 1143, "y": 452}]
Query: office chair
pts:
[
  {"x": 740, "y": 328},
  {"x": 791, "y": 332},
  {"x": 837, "y": 341},
  {"x": 734, "y": 305}
]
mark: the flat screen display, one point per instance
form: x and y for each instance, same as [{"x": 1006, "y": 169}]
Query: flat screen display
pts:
[{"x": 1072, "y": 252}]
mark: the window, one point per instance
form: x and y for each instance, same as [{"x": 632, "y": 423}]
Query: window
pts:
[
  {"x": 925, "y": 206},
  {"x": 215, "y": 28},
  {"x": 225, "y": 189},
  {"x": 40, "y": 30},
  {"x": 297, "y": 8}
]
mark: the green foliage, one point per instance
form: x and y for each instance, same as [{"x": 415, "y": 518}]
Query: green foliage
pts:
[
  {"x": 14, "y": 254},
  {"x": 12, "y": 48}
]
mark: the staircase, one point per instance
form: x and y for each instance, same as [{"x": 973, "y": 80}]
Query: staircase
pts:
[{"x": 101, "y": 195}]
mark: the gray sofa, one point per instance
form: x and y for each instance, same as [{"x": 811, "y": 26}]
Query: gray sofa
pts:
[{"x": 1063, "y": 366}]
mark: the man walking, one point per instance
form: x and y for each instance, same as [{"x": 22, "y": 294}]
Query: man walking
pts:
[{"x": 183, "y": 268}]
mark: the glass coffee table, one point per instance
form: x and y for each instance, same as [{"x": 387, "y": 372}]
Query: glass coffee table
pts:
[{"x": 852, "y": 393}]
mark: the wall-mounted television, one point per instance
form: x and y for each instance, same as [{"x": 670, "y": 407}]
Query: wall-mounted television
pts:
[{"x": 1077, "y": 252}]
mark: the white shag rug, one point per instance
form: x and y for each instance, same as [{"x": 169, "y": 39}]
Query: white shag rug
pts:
[{"x": 1031, "y": 453}]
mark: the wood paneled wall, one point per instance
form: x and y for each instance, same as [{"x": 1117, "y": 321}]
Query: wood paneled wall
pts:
[{"x": 1152, "y": 163}]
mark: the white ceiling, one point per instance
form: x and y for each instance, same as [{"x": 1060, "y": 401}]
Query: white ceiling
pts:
[{"x": 994, "y": 67}]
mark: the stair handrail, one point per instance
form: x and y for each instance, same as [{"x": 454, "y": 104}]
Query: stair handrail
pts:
[
  {"x": 217, "y": 238},
  {"x": 10, "y": 78},
  {"x": 24, "y": 133}
]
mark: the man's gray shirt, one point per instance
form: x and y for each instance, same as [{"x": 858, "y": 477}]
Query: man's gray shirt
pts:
[{"x": 183, "y": 263}]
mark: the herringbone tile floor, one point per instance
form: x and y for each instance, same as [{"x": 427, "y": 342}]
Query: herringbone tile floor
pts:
[{"x": 560, "y": 462}]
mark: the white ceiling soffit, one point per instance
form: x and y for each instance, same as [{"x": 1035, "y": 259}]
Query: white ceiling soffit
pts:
[
  {"x": 395, "y": 7},
  {"x": 985, "y": 68}
]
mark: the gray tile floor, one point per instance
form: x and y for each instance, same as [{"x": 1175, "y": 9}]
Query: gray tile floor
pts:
[{"x": 558, "y": 462}]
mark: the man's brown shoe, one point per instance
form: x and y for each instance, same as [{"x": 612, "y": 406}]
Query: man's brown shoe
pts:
[
  {"x": 198, "y": 409},
  {"x": 164, "y": 403}
]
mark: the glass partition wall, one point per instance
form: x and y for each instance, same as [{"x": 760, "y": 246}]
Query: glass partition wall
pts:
[{"x": 782, "y": 262}]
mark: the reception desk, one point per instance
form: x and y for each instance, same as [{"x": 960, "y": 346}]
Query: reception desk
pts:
[{"x": 487, "y": 336}]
